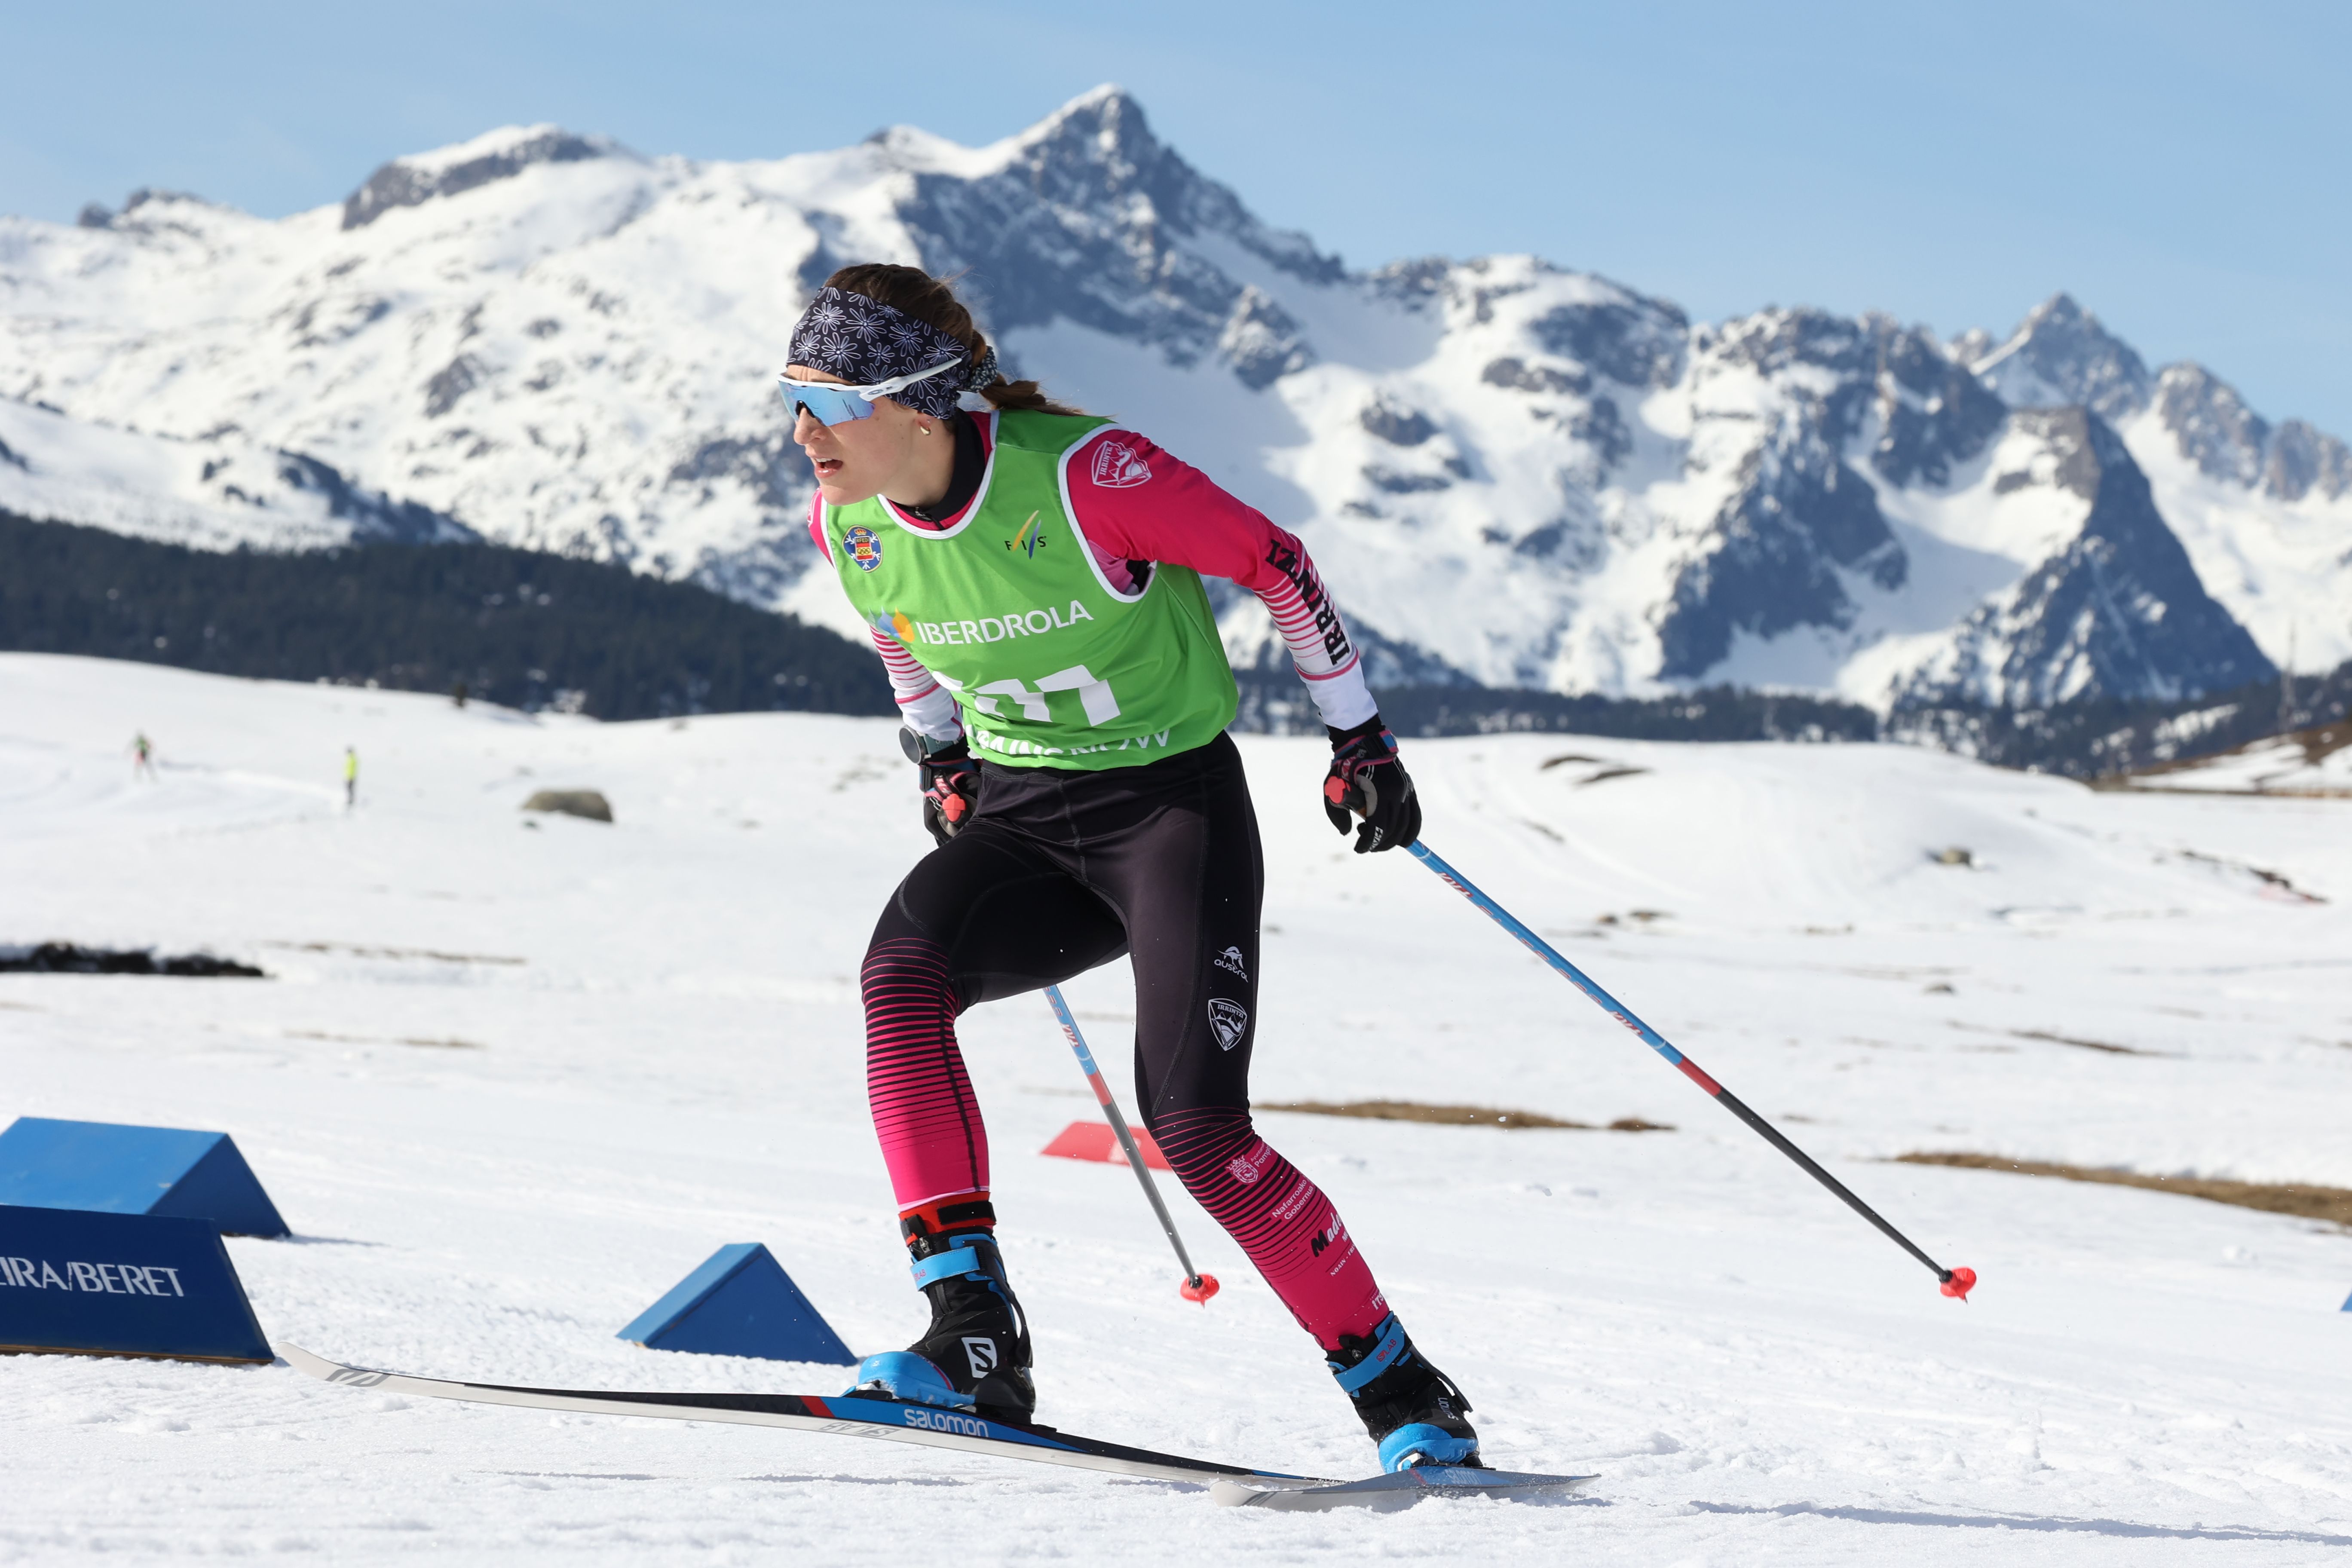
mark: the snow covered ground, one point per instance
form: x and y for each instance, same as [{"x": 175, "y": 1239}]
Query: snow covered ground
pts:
[{"x": 512, "y": 1077}]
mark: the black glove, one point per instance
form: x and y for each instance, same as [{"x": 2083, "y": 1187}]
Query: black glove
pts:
[
  {"x": 1367, "y": 780},
  {"x": 949, "y": 780}
]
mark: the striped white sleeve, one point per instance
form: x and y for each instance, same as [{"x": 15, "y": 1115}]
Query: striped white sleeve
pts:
[
  {"x": 924, "y": 705},
  {"x": 1328, "y": 659}
]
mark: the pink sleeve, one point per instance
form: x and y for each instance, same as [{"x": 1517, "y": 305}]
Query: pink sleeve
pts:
[{"x": 1135, "y": 502}]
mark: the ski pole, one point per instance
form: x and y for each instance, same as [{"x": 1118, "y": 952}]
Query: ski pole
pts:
[
  {"x": 1197, "y": 1287},
  {"x": 1956, "y": 1282}
]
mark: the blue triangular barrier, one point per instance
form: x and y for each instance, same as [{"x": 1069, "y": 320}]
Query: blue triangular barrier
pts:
[
  {"x": 117, "y": 1169},
  {"x": 740, "y": 1303}
]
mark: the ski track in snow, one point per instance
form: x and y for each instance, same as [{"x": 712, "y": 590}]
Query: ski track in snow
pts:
[{"x": 676, "y": 1064}]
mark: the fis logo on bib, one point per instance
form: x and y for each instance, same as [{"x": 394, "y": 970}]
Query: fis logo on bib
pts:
[
  {"x": 1228, "y": 1019},
  {"x": 863, "y": 548},
  {"x": 1029, "y": 540}
]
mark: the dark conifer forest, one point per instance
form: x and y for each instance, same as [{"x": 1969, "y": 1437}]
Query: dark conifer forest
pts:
[
  {"x": 515, "y": 627},
  {"x": 531, "y": 630}
]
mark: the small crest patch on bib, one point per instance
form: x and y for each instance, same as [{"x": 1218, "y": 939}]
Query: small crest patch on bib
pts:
[
  {"x": 863, "y": 548},
  {"x": 1117, "y": 467}
]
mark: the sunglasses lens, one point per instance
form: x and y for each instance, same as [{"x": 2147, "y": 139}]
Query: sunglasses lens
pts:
[{"x": 827, "y": 404}]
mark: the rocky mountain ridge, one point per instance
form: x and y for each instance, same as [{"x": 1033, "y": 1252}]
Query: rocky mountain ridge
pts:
[{"x": 1511, "y": 473}]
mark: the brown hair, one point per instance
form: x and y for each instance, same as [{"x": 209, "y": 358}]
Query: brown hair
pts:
[{"x": 913, "y": 291}]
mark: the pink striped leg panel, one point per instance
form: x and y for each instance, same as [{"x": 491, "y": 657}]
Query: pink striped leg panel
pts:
[
  {"x": 924, "y": 1113},
  {"x": 1282, "y": 1220}
]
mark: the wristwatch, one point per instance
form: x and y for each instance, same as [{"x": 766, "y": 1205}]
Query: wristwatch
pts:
[{"x": 920, "y": 748}]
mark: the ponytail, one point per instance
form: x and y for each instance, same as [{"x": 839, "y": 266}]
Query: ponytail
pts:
[
  {"x": 1023, "y": 395},
  {"x": 914, "y": 292}
]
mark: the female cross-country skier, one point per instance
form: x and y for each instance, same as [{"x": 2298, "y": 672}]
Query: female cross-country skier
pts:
[{"x": 1031, "y": 578}]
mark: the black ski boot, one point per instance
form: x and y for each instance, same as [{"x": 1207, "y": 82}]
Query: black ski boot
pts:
[
  {"x": 975, "y": 1354},
  {"x": 1412, "y": 1410}
]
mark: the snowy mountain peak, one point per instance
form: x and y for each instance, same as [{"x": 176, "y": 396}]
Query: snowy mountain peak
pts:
[
  {"x": 1103, "y": 127},
  {"x": 2215, "y": 428},
  {"x": 2118, "y": 609},
  {"x": 1506, "y": 469},
  {"x": 494, "y": 156},
  {"x": 2061, "y": 356},
  {"x": 145, "y": 208},
  {"x": 2227, "y": 440},
  {"x": 1090, "y": 220},
  {"x": 2303, "y": 460}
]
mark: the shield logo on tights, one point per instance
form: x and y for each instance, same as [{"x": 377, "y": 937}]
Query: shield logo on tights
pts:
[{"x": 1228, "y": 1019}]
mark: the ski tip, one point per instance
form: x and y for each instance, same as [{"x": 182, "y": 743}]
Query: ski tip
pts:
[
  {"x": 1395, "y": 1489},
  {"x": 1199, "y": 1289},
  {"x": 1959, "y": 1283}
]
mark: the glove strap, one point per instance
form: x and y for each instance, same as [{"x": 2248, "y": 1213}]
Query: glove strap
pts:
[{"x": 1368, "y": 742}]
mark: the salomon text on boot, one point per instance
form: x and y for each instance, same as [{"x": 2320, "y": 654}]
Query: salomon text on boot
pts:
[
  {"x": 1412, "y": 1411},
  {"x": 975, "y": 1354}
]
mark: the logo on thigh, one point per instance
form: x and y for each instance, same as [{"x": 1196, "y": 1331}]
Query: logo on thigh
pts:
[{"x": 1229, "y": 1019}]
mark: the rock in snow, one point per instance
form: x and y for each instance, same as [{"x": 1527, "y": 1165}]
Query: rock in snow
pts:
[
  {"x": 1511, "y": 473},
  {"x": 584, "y": 802}
]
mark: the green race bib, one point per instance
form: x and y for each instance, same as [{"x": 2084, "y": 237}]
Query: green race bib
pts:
[{"x": 1050, "y": 665}]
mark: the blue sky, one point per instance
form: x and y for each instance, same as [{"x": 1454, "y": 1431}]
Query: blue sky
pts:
[{"x": 2184, "y": 170}]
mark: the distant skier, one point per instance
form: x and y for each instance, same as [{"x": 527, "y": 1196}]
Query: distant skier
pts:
[
  {"x": 142, "y": 758},
  {"x": 1033, "y": 582},
  {"x": 351, "y": 777}
]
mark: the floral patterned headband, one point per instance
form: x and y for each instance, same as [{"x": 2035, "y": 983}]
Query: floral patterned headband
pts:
[{"x": 864, "y": 341}]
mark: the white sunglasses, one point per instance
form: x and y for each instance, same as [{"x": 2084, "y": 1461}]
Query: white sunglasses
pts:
[{"x": 830, "y": 402}]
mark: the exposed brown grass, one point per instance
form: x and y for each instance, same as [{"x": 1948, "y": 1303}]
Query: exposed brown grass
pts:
[
  {"x": 450, "y": 1045},
  {"x": 1454, "y": 1115},
  {"x": 394, "y": 952},
  {"x": 2332, "y": 1204},
  {"x": 2319, "y": 742},
  {"x": 2081, "y": 1044}
]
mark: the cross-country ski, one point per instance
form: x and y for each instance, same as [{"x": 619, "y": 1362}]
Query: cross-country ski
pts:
[
  {"x": 896, "y": 1421},
  {"x": 1395, "y": 1489},
  {"x": 847, "y": 1415}
]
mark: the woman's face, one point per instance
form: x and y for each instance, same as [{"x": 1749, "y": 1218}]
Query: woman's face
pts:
[{"x": 858, "y": 460}]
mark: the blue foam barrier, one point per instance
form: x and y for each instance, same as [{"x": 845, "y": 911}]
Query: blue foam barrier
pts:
[
  {"x": 117, "y": 1169},
  {"x": 740, "y": 1303},
  {"x": 85, "y": 1282}
]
